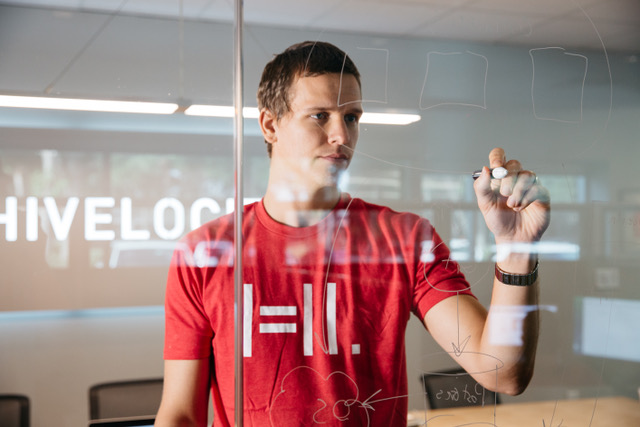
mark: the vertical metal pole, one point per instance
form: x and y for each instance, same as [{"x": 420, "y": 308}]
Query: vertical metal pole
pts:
[{"x": 238, "y": 75}]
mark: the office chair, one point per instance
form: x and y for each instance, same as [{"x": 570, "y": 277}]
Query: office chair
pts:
[
  {"x": 455, "y": 388},
  {"x": 125, "y": 398},
  {"x": 14, "y": 410}
]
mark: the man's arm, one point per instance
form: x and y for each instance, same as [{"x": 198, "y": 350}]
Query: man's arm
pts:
[
  {"x": 185, "y": 395},
  {"x": 462, "y": 326},
  {"x": 516, "y": 210}
]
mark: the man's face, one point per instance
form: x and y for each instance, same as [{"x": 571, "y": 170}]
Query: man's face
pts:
[{"x": 315, "y": 141}]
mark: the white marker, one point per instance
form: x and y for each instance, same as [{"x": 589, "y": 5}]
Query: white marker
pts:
[{"x": 496, "y": 173}]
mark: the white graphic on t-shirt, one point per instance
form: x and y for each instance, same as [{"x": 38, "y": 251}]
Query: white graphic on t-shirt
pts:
[
  {"x": 329, "y": 298},
  {"x": 276, "y": 310},
  {"x": 267, "y": 326}
]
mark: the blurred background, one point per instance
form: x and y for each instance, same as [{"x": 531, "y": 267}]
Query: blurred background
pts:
[{"x": 93, "y": 202}]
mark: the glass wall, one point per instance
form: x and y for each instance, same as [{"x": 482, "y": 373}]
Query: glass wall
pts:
[
  {"x": 94, "y": 203},
  {"x": 560, "y": 101}
]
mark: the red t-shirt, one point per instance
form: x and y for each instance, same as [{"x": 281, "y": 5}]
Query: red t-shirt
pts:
[{"x": 326, "y": 308}]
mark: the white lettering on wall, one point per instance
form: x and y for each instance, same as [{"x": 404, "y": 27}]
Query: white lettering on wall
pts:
[
  {"x": 10, "y": 219},
  {"x": 126, "y": 219},
  {"x": 159, "y": 218},
  {"x": 61, "y": 224},
  {"x": 32, "y": 219},
  {"x": 92, "y": 218},
  {"x": 169, "y": 217}
]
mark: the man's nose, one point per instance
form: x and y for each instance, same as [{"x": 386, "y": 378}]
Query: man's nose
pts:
[{"x": 338, "y": 132}]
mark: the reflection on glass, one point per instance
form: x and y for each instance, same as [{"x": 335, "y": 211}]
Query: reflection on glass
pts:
[
  {"x": 330, "y": 280},
  {"x": 92, "y": 204},
  {"x": 443, "y": 187},
  {"x": 383, "y": 184}
]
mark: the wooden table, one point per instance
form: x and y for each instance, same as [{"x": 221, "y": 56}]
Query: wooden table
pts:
[{"x": 600, "y": 412}]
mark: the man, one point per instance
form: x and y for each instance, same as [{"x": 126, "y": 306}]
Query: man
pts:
[{"x": 330, "y": 280}]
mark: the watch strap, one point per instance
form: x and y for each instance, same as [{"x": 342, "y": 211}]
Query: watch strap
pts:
[{"x": 517, "y": 279}]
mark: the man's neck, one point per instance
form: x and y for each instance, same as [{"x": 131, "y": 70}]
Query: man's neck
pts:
[{"x": 300, "y": 208}]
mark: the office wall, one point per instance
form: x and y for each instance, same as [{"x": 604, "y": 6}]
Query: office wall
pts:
[{"x": 87, "y": 308}]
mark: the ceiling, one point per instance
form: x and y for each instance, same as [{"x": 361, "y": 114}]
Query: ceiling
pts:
[{"x": 612, "y": 24}]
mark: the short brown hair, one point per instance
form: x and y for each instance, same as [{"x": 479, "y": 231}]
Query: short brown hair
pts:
[{"x": 306, "y": 59}]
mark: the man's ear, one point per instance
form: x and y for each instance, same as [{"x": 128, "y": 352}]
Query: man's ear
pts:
[{"x": 268, "y": 125}]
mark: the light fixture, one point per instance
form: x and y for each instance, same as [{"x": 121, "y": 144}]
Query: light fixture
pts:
[
  {"x": 220, "y": 111},
  {"x": 87, "y": 104},
  {"x": 102, "y": 105},
  {"x": 253, "y": 113},
  {"x": 389, "y": 118}
]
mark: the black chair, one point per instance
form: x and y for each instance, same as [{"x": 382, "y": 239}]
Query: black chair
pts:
[
  {"x": 120, "y": 399},
  {"x": 456, "y": 388},
  {"x": 14, "y": 410}
]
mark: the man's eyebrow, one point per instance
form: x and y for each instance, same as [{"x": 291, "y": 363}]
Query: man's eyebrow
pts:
[
  {"x": 347, "y": 107},
  {"x": 317, "y": 107}
]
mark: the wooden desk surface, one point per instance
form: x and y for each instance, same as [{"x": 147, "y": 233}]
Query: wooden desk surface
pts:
[{"x": 600, "y": 412}]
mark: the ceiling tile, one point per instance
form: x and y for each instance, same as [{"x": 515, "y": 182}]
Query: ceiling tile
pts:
[
  {"x": 448, "y": 4},
  {"x": 521, "y": 21},
  {"x": 623, "y": 11},
  {"x": 574, "y": 33},
  {"x": 215, "y": 10},
  {"x": 291, "y": 13},
  {"x": 479, "y": 25},
  {"x": 533, "y": 7},
  {"x": 388, "y": 18}
]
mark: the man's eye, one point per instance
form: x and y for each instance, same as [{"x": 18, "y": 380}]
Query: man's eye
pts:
[
  {"x": 319, "y": 116},
  {"x": 351, "y": 118}
]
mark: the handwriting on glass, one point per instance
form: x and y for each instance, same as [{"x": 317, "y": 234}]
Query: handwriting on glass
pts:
[{"x": 466, "y": 395}]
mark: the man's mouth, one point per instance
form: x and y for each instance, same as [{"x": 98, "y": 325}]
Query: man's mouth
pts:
[{"x": 336, "y": 157}]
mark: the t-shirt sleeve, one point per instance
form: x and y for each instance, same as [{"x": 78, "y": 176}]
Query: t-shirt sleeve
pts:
[
  {"x": 437, "y": 275},
  {"x": 188, "y": 331}
]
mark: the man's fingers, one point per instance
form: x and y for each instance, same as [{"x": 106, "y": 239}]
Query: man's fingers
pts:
[
  {"x": 522, "y": 190},
  {"x": 519, "y": 187},
  {"x": 483, "y": 185},
  {"x": 508, "y": 183},
  {"x": 537, "y": 193},
  {"x": 496, "y": 158}
]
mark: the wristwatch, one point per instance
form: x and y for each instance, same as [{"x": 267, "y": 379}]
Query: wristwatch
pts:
[{"x": 517, "y": 279}]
